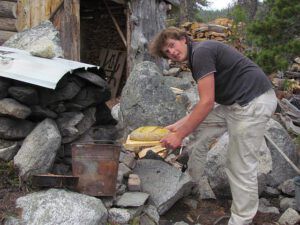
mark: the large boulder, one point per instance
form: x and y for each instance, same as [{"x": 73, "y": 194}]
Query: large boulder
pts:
[
  {"x": 215, "y": 167},
  {"x": 147, "y": 100},
  {"x": 44, "y": 32},
  {"x": 164, "y": 183},
  {"x": 61, "y": 207},
  {"x": 273, "y": 169},
  {"x": 38, "y": 150},
  {"x": 281, "y": 170}
]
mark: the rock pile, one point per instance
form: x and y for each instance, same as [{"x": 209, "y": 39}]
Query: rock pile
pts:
[{"x": 40, "y": 123}]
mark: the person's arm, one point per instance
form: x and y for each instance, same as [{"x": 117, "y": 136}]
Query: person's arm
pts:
[{"x": 206, "y": 90}]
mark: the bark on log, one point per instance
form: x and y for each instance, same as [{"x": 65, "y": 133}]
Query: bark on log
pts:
[
  {"x": 8, "y": 9},
  {"x": 143, "y": 29},
  {"x": 8, "y": 24},
  {"x": 5, "y": 35}
]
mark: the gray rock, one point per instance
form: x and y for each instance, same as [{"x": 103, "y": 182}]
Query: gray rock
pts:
[
  {"x": 67, "y": 122},
  {"x": 146, "y": 220},
  {"x": 115, "y": 112},
  {"x": 92, "y": 78},
  {"x": 288, "y": 187},
  {"x": 8, "y": 149},
  {"x": 215, "y": 166},
  {"x": 12, "y": 221},
  {"x": 286, "y": 203},
  {"x": 39, "y": 113},
  {"x": 290, "y": 217},
  {"x": 83, "y": 126},
  {"x": 135, "y": 211},
  {"x": 26, "y": 95},
  {"x": 205, "y": 190},
  {"x": 43, "y": 47},
  {"x": 38, "y": 150},
  {"x": 151, "y": 211},
  {"x": 132, "y": 199},
  {"x": 163, "y": 182},
  {"x": 91, "y": 95},
  {"x": 119, "y": 216},
  {"x": 4, "y": 85},
  {"x": 13, "y": 129},
  {"x": 10, "y": 107},
  {"x": 147, "y": 100},
  {"x": 61, "y": 207},
  {"x": 281, "y": 170},
  {"x": 191, "y": 203},
  {"x": 67, "y": 89},
  {"x": 271, "y": 192},
  {"x": 25, "y": 39},
  {"x": 128, "y": 159},
  {"x": 265, "y": 207},
  {"x": 181, "y": 223},
  {"x": 171, "y": 72},
  {"x": 181, "y": 83},
  {"x": 123, "y": 171}
]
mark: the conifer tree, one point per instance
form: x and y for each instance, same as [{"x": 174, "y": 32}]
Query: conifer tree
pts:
[{"x": 276, "y": 37}]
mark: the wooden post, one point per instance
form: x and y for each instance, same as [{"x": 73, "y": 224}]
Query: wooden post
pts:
[{"x": 71, "y": 30}]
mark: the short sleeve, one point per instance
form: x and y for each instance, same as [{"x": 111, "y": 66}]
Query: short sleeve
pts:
[{"x": 203, "y": 62}]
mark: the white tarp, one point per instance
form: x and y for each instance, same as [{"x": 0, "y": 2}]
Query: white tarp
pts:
[{"x": 21, "y": 65}]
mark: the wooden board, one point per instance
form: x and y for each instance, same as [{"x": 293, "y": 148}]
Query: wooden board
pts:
[
  {"x": 137, "y": 146},
  {"x": 155, "y": 149},
  {"x": 113, "y": 61}
]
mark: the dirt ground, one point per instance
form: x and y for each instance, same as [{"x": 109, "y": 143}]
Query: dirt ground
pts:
[{"x": 206, "y": 213}]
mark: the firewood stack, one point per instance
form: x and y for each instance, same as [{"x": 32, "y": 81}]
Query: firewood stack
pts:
[
  {"x": 221, "y": 29},
  {"x": 77, "y": 104},
  {"x": 294, "y": 69}
]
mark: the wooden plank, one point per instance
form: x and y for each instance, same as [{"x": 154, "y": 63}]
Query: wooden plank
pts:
[
  {"x": 8, "y": 24},
  {"x": 155, "y": 149},
  {"x": 113, "y": 61},
  {"x": 8, "y": 9},
  {"x": 71, "y": 30},
  {"x": 5, "y": 35}
]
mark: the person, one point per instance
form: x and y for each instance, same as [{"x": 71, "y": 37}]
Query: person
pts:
[{"x": 245, "y": 102}]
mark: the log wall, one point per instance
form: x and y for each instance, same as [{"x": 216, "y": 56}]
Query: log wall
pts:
[
  {"x": 8, "y": 14},
  {"x": 25, "y": 14}
]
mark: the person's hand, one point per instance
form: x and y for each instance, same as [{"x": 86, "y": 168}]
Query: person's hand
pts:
[
  {"x": 172, "y": 140},
  {"x": 171, "y": 127}
]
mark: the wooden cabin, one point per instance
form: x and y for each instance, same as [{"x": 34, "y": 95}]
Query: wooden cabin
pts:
[{"x": 110, "y": 33}]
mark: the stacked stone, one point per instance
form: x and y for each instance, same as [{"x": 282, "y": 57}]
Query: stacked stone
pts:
[{"x": 38, "y": 125}]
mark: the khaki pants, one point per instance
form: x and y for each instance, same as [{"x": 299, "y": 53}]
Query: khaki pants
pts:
[{"x": 246, "y": 127}]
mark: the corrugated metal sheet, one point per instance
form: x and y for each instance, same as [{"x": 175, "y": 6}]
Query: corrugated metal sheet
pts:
[{"x": 20, "y": 65}]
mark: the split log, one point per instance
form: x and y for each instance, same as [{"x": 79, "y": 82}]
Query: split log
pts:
[
  {"x": 291, "y": 74},
  {"x": 8, "y": 24},
  {"x": 5, "y": 35},
  {"x": 8, "y": 9}
]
